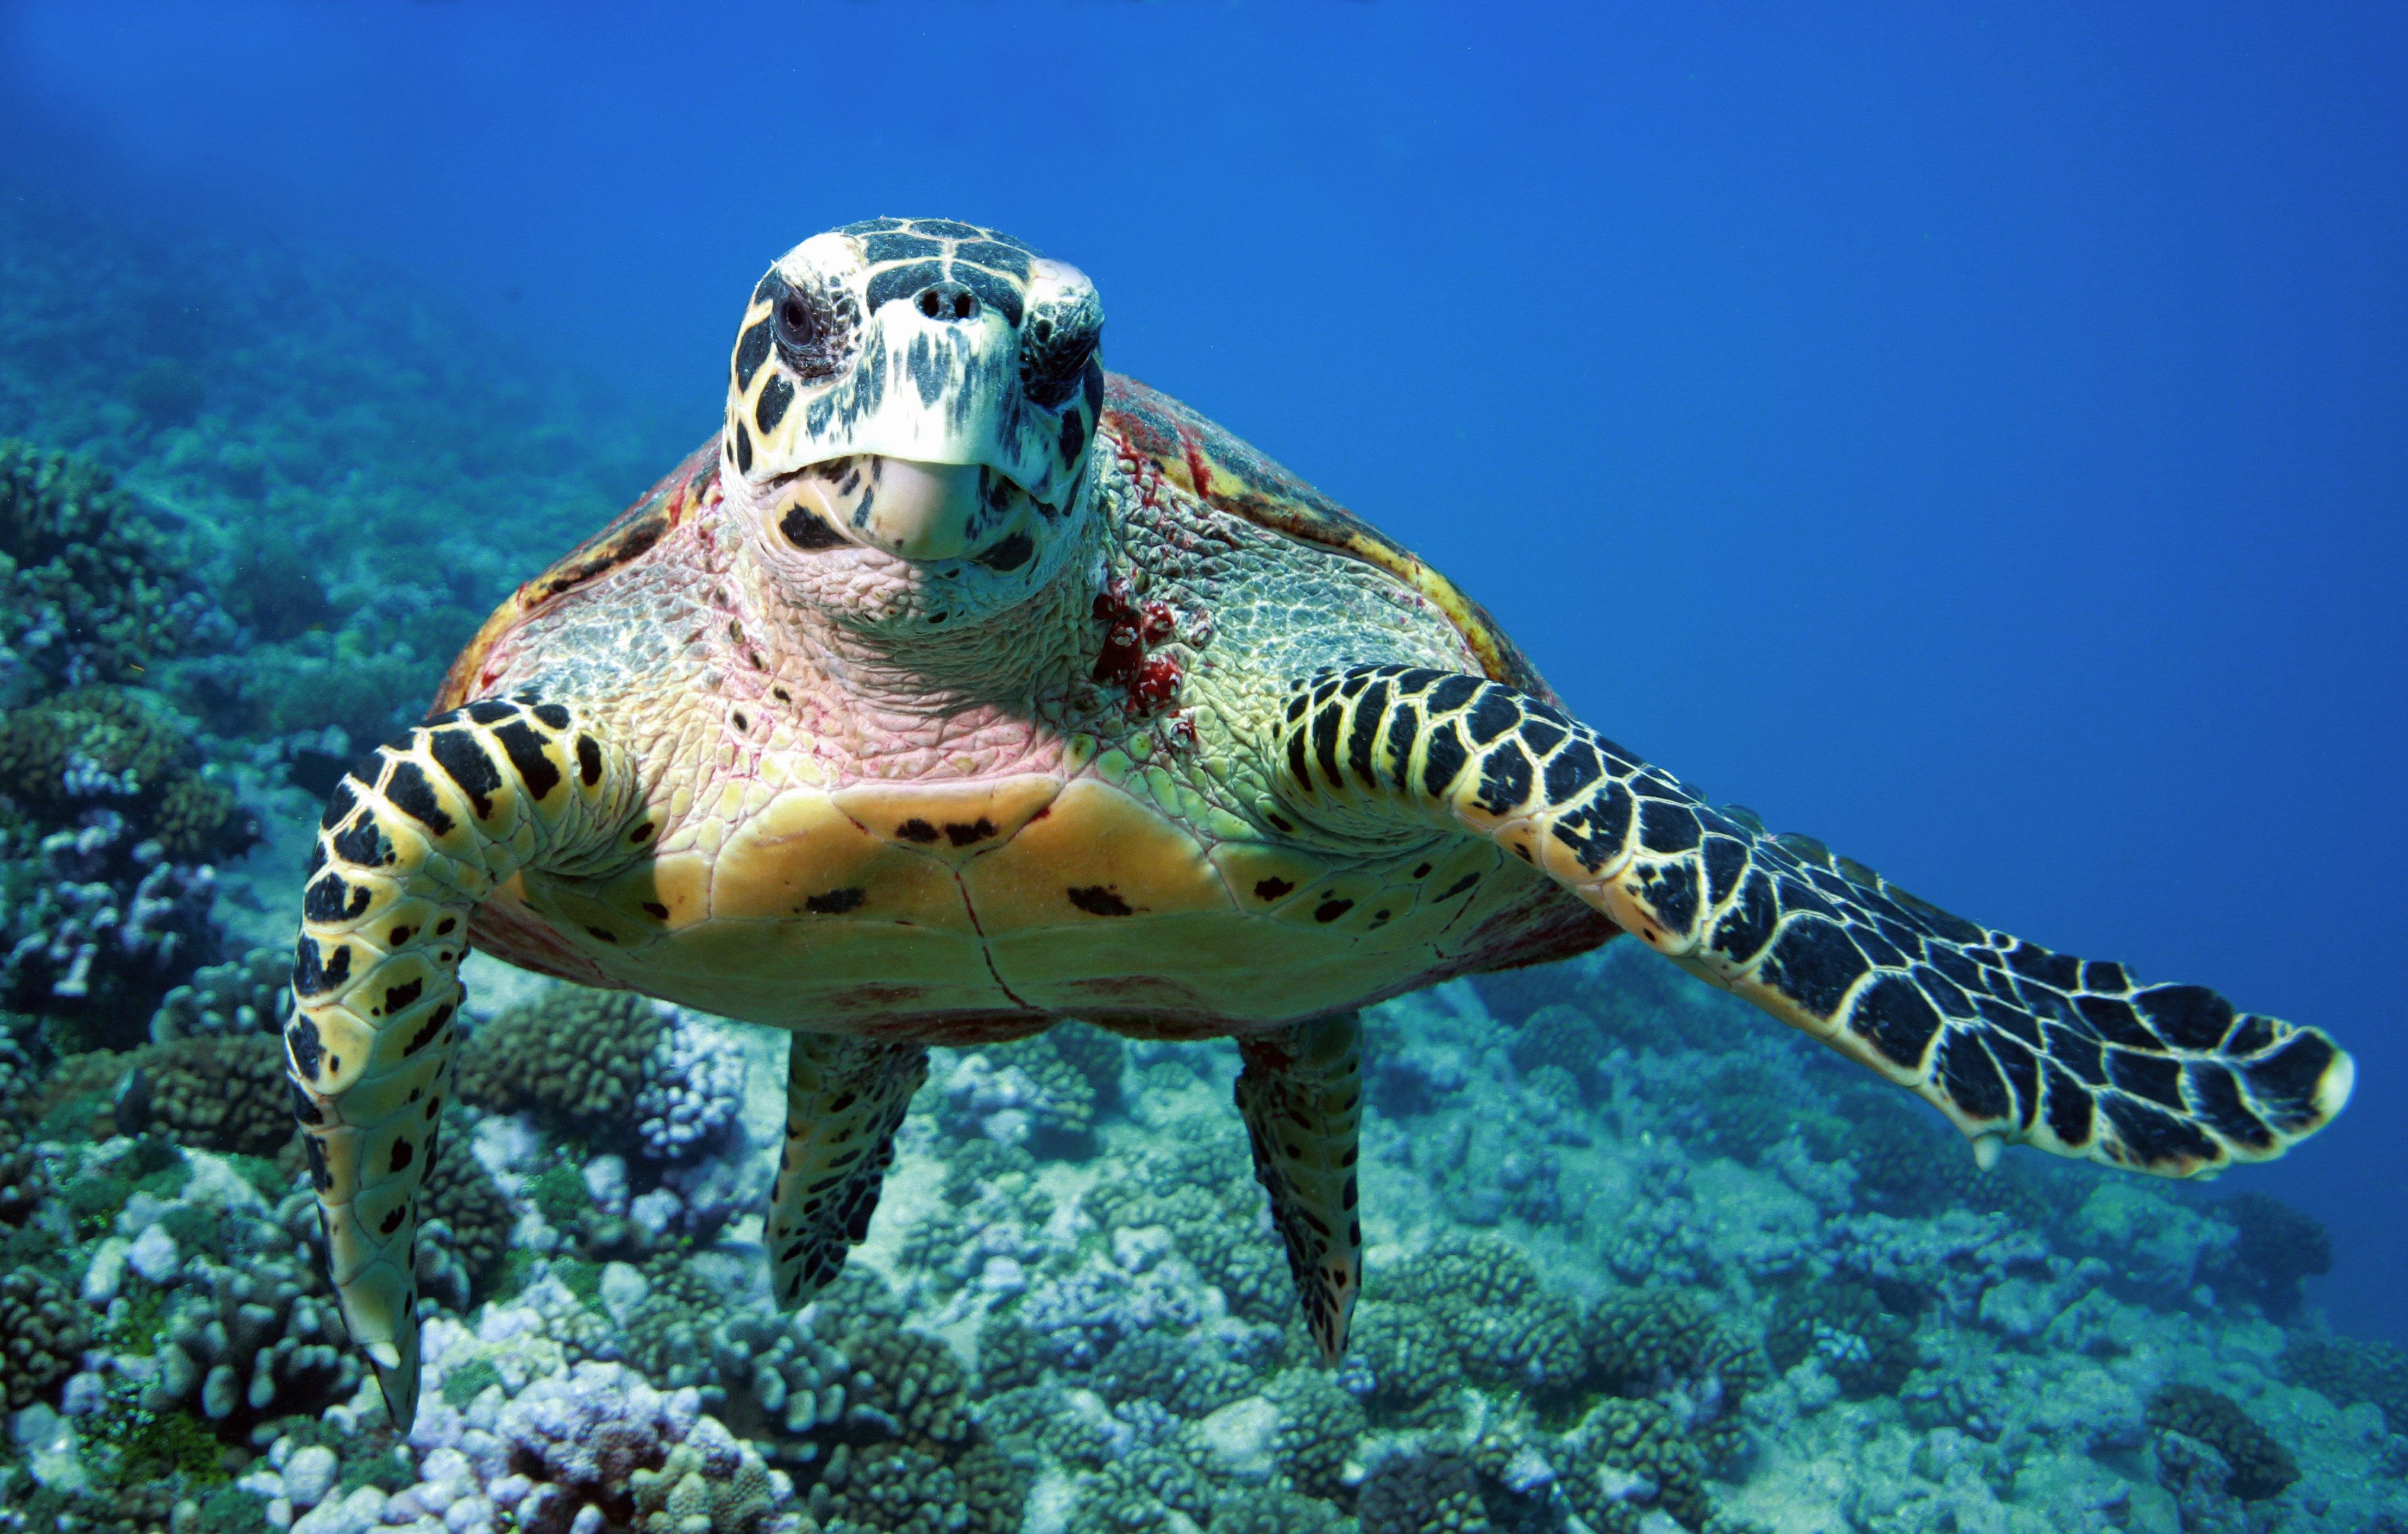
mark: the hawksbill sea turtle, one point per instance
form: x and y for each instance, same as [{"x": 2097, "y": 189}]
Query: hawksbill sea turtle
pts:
[{"x": 957, "y": 686}]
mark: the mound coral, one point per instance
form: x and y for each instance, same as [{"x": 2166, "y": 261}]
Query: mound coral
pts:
[
  {"x": 2261, "y": 1466},
  {"x": 1432, "y": 1492},
  {"x": 252, "y": 994},
  {"x": 609, "y": 1070},
  {"x": 1865, "y": 1346},
  {"x": 92, "y": 588},
  {"x": 1507, "y": 1327},
  {"x": 226, "y": 1094}
]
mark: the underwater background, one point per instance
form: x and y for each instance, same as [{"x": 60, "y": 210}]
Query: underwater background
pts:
[{"x": 1974, "y": 439}]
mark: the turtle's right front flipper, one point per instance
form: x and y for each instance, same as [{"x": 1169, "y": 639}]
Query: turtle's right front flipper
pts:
[
  {"x": 2013, "y": 1042},
  {"x": 413, "y": 840}
]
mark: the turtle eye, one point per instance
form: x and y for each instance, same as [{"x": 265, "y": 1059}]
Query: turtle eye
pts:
[
  {"x": 1052, "y": 359},
  {"x": 814, "y": 331}
]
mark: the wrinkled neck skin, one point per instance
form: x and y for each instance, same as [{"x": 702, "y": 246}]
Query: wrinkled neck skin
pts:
[{"x": 926, "y": 667}]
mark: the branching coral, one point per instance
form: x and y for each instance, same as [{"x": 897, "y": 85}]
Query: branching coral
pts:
[{"x": 42, "y": 1333}]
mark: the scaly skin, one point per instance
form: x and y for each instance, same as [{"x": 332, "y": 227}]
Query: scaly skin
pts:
[{"x": 958, "y": 689}]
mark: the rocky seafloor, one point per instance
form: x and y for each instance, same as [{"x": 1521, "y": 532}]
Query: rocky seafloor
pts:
[{"x": 1639, "y": 1261}]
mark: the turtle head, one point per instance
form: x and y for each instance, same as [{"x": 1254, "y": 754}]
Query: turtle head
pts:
[{"x": 910, "y": 411}]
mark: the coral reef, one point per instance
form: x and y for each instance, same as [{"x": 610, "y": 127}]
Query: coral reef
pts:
[{"x": 1631, "y": 1258}]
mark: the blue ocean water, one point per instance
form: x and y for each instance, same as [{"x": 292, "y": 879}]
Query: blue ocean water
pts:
[{"x": 1974, "y": 441}]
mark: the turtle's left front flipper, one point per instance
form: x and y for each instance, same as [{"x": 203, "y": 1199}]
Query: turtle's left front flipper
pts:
[
  {"x": 2013, "y": 1042},
  {"x": 418, "y": 835}
]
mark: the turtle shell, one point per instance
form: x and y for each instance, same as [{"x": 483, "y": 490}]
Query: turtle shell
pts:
[
  {"x": 687, "y": 488},
  {"x": 1159, "y": 436},
  {"x": 1156, "y": 437}
]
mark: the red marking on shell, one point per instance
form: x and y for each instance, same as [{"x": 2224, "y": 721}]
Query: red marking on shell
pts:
[
  {"x": 1202, "y": 476},
  {"x": 1130, "y": 630},
  {"x": 1156, "y": 686}
]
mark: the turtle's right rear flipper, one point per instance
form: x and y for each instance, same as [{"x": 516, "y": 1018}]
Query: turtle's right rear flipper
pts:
[{"x": 845, "y": 1098}]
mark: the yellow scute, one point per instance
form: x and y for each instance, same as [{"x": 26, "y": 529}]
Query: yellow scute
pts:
[
  {"x": 1096, "y": 856},
  {"x": 804, "y": 857}
]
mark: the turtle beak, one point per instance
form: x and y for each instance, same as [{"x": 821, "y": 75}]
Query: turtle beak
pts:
[
  {"x": 919, "y": 510},
  {"x": 910, "y": 509}
]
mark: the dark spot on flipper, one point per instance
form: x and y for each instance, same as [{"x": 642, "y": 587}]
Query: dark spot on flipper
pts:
[
  {"x": 1972, "y": 1078},
  {"x": 1443, "y": 760},
  {"x": 341, "y": 802},
  {"x": 1748, "y": 925},
  {"x": 1496, "y": 713},
  {"x": 1329, "y": 911},
  {"x": 1669, "y": 891},
  {"x": 397, "y": 936},
  {"x": 1667, "y": 828},
  {"x": 2022, "y": 1070},
  {"x": 834, "y": 903},
  {"x": 392, "y": 1222},
  {"x": 2155, "y": 1077},
  {"x": 1365, "y": 731},
  {"x": 1458, "y": 886},
  {"x": 2215, "y": 1098},
  {"x": 1404, "y": 728},
  {"x": 414, "y": 797},
  {"x": 2069, "y": 1107},
  {"x": 1597, "y": 830},
  {"x": 320, "y": 1178},
  {"x": 2189, "y": 1017},
  {"x": 917, "y": 830},
  {"x": 589, "y": 760},
  {"x": 2115, "y": 1022},
  {"x": 642, "y": 833},
  {"x": 979, "y": 830},
  {"x": 445, "y": 925},
  {"x": 2155, "y": 1137},
  {"x": 1813, "y": 964},
  {"x": 2285, "y": 1083},
  {"x": 524, "y": 748},
  {"x": 304, "y": 1108},
  {"x": 402, "y": 1152},
  {"x": 427, "y": 1031},
  {"x": 2061, "y": 970},
  {"x": 1505, "y": 775},
  {"x": 1897, "y": 1019},
  {"x": 1570, "y": 770},
  {"x": 329, "y": 898},
  {"x": 656, "y": 911},
  {"x": 1272, "y": 889},
  {"x": 1100, "y": 900},
  {"x": 1325, "y": 725},
  {"x": 552, "y": 715},
  {"x": 603, "y": 935},
  {"x": 313, "y": 975},
  {"x": 362, "y": 844},
  {"x": 398, "y": 996},
  {"x": 463, "y": 759},
  {"x": 1452, "y": 693}
]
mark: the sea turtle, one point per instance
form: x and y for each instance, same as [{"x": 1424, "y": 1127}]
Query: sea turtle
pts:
[{"x": 957, "y": 686}]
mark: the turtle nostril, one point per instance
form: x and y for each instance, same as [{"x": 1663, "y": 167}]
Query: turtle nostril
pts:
[{"x": 946, "y": 301}]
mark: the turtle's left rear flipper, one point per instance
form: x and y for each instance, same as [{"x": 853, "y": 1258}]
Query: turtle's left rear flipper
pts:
[
  {"x": 1301, "y": 1094},
  {"x": 845, "y": 1097},
  {"x": 2013, "y": 1042}
]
